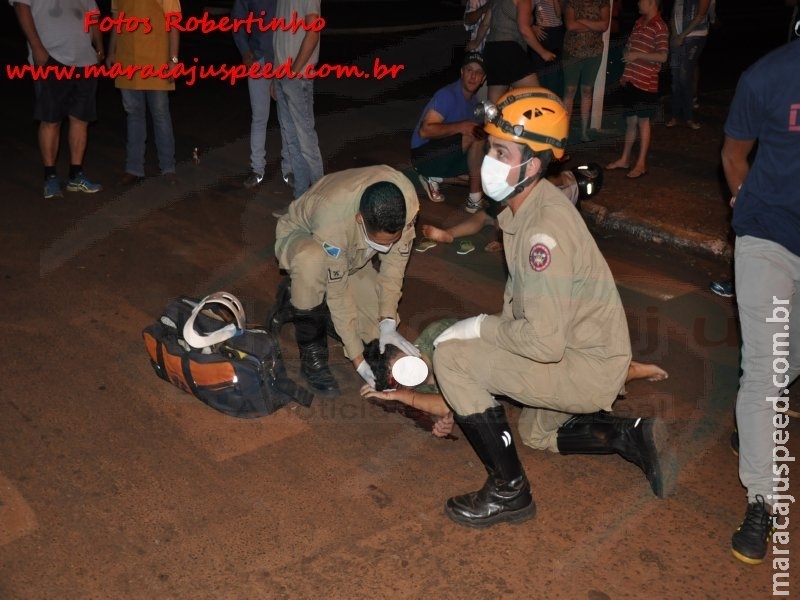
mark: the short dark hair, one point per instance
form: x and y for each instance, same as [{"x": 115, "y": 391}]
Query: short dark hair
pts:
[
  {"x": 383, "y": 208},
  {"x": 379, "y": 362}
]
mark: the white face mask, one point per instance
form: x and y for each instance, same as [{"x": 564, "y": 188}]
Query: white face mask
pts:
[
  {"x": 374, "y": 245},
  {"x": 494, "y": 178}
]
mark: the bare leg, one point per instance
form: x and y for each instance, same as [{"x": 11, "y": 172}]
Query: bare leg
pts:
[
  {"x": 644, "y": 144},
  {"x": 528, "y": 81},
  {"x": 637, "y": 370},
  {"x": 475, "y": 155},
  {"x": 569, "y": 98},
  {"x": 586, "y": 110},
  {"x": 630, "y": 137},
  {"x": 77, "y": 140},
  {"x": 495, "y": 91},
  {"x": 49, "y": 135}
]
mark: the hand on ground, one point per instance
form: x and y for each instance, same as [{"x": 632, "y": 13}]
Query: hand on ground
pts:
[{"x": 443, "y": 426}]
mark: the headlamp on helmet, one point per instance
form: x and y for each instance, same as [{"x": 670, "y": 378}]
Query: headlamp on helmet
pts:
[{"x": 486, "y": 112}]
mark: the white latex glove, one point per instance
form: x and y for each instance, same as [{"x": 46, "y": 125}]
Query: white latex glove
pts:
[
  {"x": 466, "y": 329},
  {"x": 366, "y": 373},
  {"x": 389, "y": 335}
]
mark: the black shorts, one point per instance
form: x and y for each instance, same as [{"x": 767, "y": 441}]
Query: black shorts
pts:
[
  {"x": 443, "y": 157},
  {"x": 57, "y": 99},
  {"x": 639, "y": 103},
  {"x": 506, "y": 63}
]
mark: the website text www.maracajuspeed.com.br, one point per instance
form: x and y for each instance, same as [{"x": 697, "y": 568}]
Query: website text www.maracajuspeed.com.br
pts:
[{"x": 190, "y": 73}]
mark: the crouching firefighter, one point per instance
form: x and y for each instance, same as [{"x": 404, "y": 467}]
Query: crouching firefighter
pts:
[
  {"x": 326, "y": 243},
  {"x": 560, "y": 345}
]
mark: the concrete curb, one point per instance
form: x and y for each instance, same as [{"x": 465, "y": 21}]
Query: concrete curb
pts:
[{"x": 599, "y": 218}]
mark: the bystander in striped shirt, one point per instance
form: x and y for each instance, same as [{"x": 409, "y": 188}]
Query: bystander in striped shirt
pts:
[
  {"x": 545, "y": 12},
  {"x": 647, "y": 37}
]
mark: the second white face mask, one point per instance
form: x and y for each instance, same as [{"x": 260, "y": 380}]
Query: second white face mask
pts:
[
  {"x": 372, "y": 244},
  {"x": 494, "y": 178}
]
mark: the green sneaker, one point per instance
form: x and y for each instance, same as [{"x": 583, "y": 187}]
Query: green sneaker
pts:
[
  {"x": 465, "y": 247},
  {"x": 425, "y": 245}
]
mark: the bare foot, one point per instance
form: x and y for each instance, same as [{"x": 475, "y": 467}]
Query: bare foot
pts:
[
  {"x": 617, "y": 164},
  {"x": 436, "y": 234},
  {"x": 638, "y": 370}
]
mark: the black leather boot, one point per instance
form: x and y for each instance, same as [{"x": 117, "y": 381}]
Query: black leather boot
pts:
[
  {"x": 640, "y": 441},
  {"x": 282, "y": 311},
  {"x": 506, "y": 495},
  {"x": 310, "y": 331}
]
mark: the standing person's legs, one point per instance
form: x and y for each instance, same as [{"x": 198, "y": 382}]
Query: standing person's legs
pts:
[
  {"x": 586, "y": 110},
  {"x": 475, "y": 154},
  {"x": 135, "y": 105},
  {"x": 590, "y": 67},
  {"x": 158, "y": 103},
  {"x": 572, "y": 76},
  {"x": 289, "y": 139},
  {"x": 49, "y": 135},
  {"x": 531, "y": 80},
  {"x": 644, "y": 143},
  {"x": 495, "y": 91},
  {"x": 681, "y": 83},
  {"x": 78, "y": 135},
  {"x": 768, "y": 295},
  {"x": 694, "y": 48},
  {"x": 307, "y": 165},
  {"x": 258, "y": 88},
  {"x": 624, "y": 161}
]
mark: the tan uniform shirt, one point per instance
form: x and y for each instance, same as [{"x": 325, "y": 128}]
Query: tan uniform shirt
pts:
[
  {"x": 561, "y": 304},
  {"x": 140, "y": 48},
  {"x": 327, "y": 212}
]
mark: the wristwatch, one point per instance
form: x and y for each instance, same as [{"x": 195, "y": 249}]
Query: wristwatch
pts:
[{"x": 174, "y": 60}]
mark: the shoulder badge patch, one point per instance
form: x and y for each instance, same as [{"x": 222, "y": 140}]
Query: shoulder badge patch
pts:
[
  {"x": 331, "y": 250},
  {"x": 539, "y": 257}
]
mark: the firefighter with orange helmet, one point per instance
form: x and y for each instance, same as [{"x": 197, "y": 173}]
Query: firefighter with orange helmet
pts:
[{"x": 560, "y": 346}]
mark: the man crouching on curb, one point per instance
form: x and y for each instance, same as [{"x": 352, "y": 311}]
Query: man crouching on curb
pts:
[{"x": 561, "y": 345}]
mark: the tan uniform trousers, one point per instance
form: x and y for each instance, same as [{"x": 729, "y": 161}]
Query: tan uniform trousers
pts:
[
  {"x": 471, "y": 372},
  {"x": 308, "y": 269}
]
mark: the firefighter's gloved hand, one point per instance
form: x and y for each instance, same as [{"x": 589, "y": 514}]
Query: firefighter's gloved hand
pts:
[
  {"x": 389, "y": 335},
  {"x": 466, "y": 329},
  {"x": 366, "y": 373}
]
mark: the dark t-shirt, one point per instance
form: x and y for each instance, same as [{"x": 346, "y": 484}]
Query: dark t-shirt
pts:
[
  {"x": 766, "y": 107},
  {"x": 449, "y": 102}
]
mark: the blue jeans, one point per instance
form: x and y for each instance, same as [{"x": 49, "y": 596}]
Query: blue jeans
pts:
[
  {"x": 296, "y": 119},
  {"x": 684, "y": 62},
  {"x": 259, "y": 108},
  {"x": 136, "y": 103}
]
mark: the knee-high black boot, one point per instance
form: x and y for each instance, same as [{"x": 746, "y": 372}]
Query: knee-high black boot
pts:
[
  {"x": 312, "y": 340},
  {"x": 282, "y": 311},
  {"x": 640, "y": 441},
  {"x": 506, "y": 495}
]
